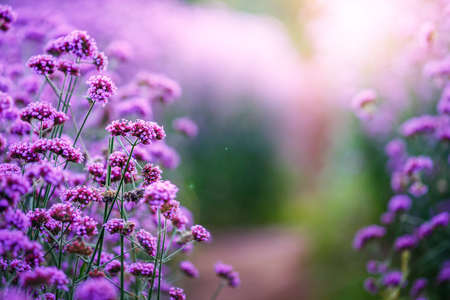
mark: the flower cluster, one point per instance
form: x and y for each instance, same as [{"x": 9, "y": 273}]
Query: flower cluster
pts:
[
  {"x": 416, "y": 221},
  {"x": 102, "y": 216}
]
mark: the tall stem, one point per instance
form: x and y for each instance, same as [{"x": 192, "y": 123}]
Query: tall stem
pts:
[
  {"x": 218, "y": 290},
  {"x": 152, "y": 282},
  {"x": 122, "y": 288},
  {"x": 161, "y": 258}
]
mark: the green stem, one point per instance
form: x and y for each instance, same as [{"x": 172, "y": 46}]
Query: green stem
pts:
[
  {"x": 122, "y": 279},
  {"x": 218, "y": 290},
  {"x": 152, "y": 282},
  {"x": 161, "y": 258}
]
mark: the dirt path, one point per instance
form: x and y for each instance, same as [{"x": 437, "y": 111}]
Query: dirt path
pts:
[{"x": 269, "y": 261}]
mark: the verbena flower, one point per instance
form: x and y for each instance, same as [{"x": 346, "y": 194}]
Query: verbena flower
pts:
[
  {"x": 82, "y": 195},
  {"x": 119, "y": 226},
  {"x": 42, "y": 64},
  {"x": 101, "y": 88},
  {"x": 392, "y": 279},
  {"x": 226, "y": 272},
  {"x": 68, "y": 67},
  {"x": 177, "y": 294},
  {"x": 419, "y": 125},
  {"x": 44, "y": 276},
  {"x": 200, "y": 234},
  {"x": 405, "y": 242},
  {"x": 151, "y": 174},
  {"x": 7, "y": 17},
  {"x": 185, "y": 126},
  {"x": 100, "y": 61},
  {"x": 96, "y": 288},
  {"x": 189, "y": 269},
  {"x": 162, "y": 88},
  {"x": 364, "y": 235},
  {"x": 143, "y": 269},
  {"x": 160, "y": 192},
  {"x": 399, "y": 203},
  {"x": 147, "y": 241}
]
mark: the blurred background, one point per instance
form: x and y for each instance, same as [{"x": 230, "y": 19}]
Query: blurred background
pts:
[{"x": 281, "y": 171}]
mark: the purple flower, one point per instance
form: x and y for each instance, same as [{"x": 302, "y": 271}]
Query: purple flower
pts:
[
  {"x": 147, "y": 132},
  {"x": 416, "y": 164},
  {"x": 23, "y": 151},
  {"x": 440, "y": 220},
  {"x": 200, "y": 234},
  {"x": 185, "y": 126},
  {"x": 96, "y": 288},
  {"x": 160, "y": 192},
  {"x": 372, "y": 267},
  {"x": 6, "y": 102},
  {"x": 147, "y": 241},
  {"x": 80, "y": 44},
  {"x": 7, "y": 17},
  {"x": 64, "y": 212},
  {"x": 119, "y": 127},
  {"x": 143, "y": 269},
  {"x": 46, "y": 171},
  {"x": 84, "y": 226},
  {"x": 12, "y": 187},
  {"x": 9, "y": 169},
  {"x": 176, "y": 294},
  {"x": 59, "y": 146},
  {"x": 20, "y": 128},
  {"x": 418, "y": 286},
  {"x": 100, "y": 61},
  {"x": 162, "y": 88},
  {"x": 399, "y": 203},
  {"x": 189, "y": 269},
  {"x": 395, "y": 148},
  {"x": 165, "y": 155},
  {"x": 392, "y": 279},
  {"x": 11, "y": 293},
  {"x": 42, "y": 64},
  {"x": 14, "y": 219},
  {"x": 44, "y": 276},
  {"x": 68, "y": 67},
  {"x": 443, "y": 106},
  {"x": 82, "y": 195},
  {"x": 226, "y": 272},
  {"x": 418, "y": 189},
  {"x": 370, "y": 285},
  {"x": 151, "y": 174},
  {"x": 419, "y": 125},
  {"x": 38, "y": 217},
  {"x": 405, "y": 242},
  {"x": 101, "y": 88},
  {"x": 120, "y": 226},
  {"x": 444, "y": 273},
  {"x": 387, "y": 218},
  {"x": 367, "y": 234},
  {"x": 120, "y": 50}
]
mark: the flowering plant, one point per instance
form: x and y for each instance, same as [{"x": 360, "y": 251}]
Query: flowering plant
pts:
[
  {"x": 83, "y": 216},
  {"x": 411, "y": 246}
]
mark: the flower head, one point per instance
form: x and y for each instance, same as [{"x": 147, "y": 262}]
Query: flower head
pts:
[
  {"x": 96, "y": 288},
  {"x": 101, "y": 88},
  {"x": 7, "y": 17},
  {"x": 200, "y": 234},
  {"x": 189, "y": 269},
  {"x": 42, "y": 64},
  {"x": 399, "y": 203},
  {"x": 392, "y": 279},
  {"x": 147, "y": 241},
  {"x": 176, "y": 294},
  {"x": 367, "y": 234},
  {"x": 143, "y": 269}
]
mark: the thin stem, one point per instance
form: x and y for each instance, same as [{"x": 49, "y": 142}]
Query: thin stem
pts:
[
  {"x": 152, "y": 282},
  {"x": 161, "y": 258},
  {"x": 218, "y": 290},
  {"x": 84, "y": 122},
  {"x": 122, "y": 279}
]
